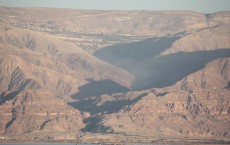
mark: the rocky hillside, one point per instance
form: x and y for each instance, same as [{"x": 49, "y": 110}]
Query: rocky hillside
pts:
[
  {"x": 36, "y": 110},
  {"x": 39, "y": 71},
  {"x": 114, "y": 76},
  {"x": 194, "y": 114}
]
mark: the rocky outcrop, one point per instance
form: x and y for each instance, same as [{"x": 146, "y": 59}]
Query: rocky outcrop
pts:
[
  {"x": 198, "y": 114},
  {"x": 37, "y": 110}
]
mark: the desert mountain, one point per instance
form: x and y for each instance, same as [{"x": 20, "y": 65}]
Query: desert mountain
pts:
[{"x": 113, "y": 76}]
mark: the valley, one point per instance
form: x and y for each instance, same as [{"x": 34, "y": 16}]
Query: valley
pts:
[{"x": 97, "y": 76}]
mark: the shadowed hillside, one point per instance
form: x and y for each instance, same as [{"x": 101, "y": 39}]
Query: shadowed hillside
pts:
[
  {"x": 167, "y": 70},
  {"x": 132, "y": 56},
  {"x": 97, "y": 88},
  {"x": 153, "y": 70}
]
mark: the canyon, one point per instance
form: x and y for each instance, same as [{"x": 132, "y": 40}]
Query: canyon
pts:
[{"x": 99, "y": 76}]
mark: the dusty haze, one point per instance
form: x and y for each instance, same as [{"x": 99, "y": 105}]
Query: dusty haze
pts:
[{"x": 114, "y": 76}]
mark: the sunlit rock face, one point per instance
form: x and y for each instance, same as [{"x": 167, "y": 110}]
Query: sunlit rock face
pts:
[
  {"x": 37, "y": 110},
  {"x": 138, "y": 75},
  {"x": 203, "y": 113}
]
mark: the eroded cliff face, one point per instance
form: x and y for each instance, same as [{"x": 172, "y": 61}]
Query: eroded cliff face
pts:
[
  {"x": 128, "y": 75},
  {"x": 198, "y": 114},
  {"x": 197, "y": 106},
  {"x": 37, "y": 110}
]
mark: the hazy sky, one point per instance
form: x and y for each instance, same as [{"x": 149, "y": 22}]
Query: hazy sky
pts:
[{"x": 206, "y": 6}]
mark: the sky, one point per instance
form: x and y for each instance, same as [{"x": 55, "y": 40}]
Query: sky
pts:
[{"x": 204, "y": 6}]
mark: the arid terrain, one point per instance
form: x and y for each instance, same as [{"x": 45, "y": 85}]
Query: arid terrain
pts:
[{"x": 96, "y": 76}]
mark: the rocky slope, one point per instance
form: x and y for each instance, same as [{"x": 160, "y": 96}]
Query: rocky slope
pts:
[
  {"x": 179, "y": 114},
  {"x": 29, "y": 111},
  {"x": 114, "y": 76},
  {"x": 197, "y": 106},
  {"x": 45, "y": 70},
  {"x": 215, "y": 75}
]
